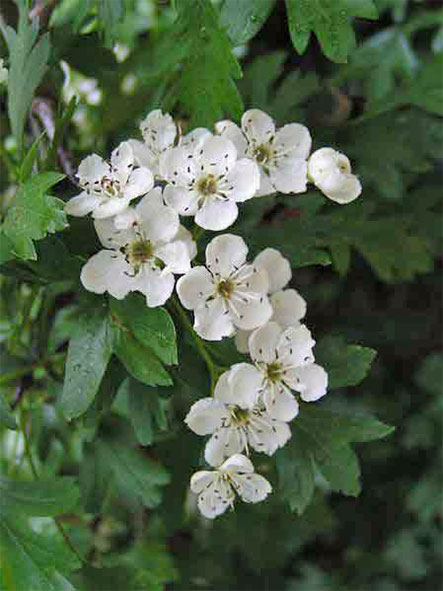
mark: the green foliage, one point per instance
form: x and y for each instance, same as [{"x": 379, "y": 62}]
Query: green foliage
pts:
[
  {"x": 28, "y": 58},
  {"x": 330, "y": 20},
  {"x": 245, "y": 19},
  {"x": 40, "y": 498},
  {"x": 33, "y": 214},
  {"x": 6, "y": 417}
]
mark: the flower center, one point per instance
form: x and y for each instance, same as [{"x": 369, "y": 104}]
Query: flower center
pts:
[
  {"x": 225, "y": 288},
  {"x": 274, "y": 371},
  {"x": 139, "y": 252},
  {"x": 110, "y": 186},
  {"x": 263, "y": 153},
  {"x": 240, "y": 416},
  {"x": 207, "y": 185}
]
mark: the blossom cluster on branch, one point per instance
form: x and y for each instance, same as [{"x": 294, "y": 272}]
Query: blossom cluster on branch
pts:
[{"x": 205, "y": 175}]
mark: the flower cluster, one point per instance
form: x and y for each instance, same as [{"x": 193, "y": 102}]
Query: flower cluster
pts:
[{"x": 205, "y": 175}]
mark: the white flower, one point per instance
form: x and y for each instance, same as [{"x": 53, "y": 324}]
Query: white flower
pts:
[
  {"x": 108, "y": 188},
  {"x": 206, "y": 180},
  {"x": 216, "y": 489},
  {"x": 3, "y": 72},
  {"x": 330, "y": 171},
  {"x": 226, "y": 294},
  {"x": 288, "y": 306},
  {"x": 234, "y": 417},
  {"x": 285, "y": 360},
  {"x": 143, "y": 256},
  {"x": 281, "y": 154}
]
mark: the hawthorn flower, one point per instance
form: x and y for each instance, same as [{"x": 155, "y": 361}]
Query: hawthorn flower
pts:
[
  {"x": 206, "y": 180},
  {"x": 216, "y": 489},
  {"x": 144, "y": 256},
  {"x": 281, "y": 154},
  {"x": 285, "y": 361},
  {"x": 330, "y": 171},
  {"x": 3, "y": 72},
  {"x": 288, "y": 306},
  {"x": 226, "y": 294},
  {"x": 235, "y": 419},
  {"x": 108, "y": 188}
]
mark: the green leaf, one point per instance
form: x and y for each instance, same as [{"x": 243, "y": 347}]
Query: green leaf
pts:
[
  {"x": 426, "y": 89},
  {"x": 29, "y": 561},
  {"x": 42, "y": 498},
  {"x": 330, "y": 20},
  {"x": 321, "y": 438},
  {"x": 153, "y": 327},
  {"x": 243, "y": 20},
  {"x": 33, "y": 214},
  {"x": 205, "y": 89},
  {"x": 110, "y": 13},
  {"x": 347, "y": 365},
  {"x": 29, "y": 160},
  {"x": 139, "y": 360},
  {"x": 429, "y": 376},
  {"x": 89, "y": 351},
  {"x": 146, "y": 410},
  {"x": 6, "y": 416},
  {"x": 134, "y": 474},
  {"x": 28, "y": 59}
]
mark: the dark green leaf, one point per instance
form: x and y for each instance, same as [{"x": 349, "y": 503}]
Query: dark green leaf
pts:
[
  {"x": 146, "y": 410},
  {"x": 42, "y": 498},
  {"x": 88, "y": 355},
  {"x": 33, "y": 214},
  {"x": 6, "y": 416},
  {"x": 244, "y": 19},
  {"x": 153, "y": 327}
]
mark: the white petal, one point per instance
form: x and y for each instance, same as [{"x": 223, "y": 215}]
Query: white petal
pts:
[
  {"x": 140, "y": 181},
  {"x": 177, "y": 166},
  {"x": 200, "y": 480},
  {"x": 126, "y": 220},
  {"x": 185, "y": 237},
  {"x": 156, "y": 285},
  {"x": 242, "y": 181},
  {"x": 217, "y": 155},
  {"x": 293, "y": 139},
  {"x": 107, "y": 271},
  {"x": 276, "y": 266},
  {"x": 195, "y": 138},
  {"x": 82, "y": 204},
  {"x": 206, "y": 415},
  {"x": 232, "y": 132},
  {"x": 241, "y": 340},
  {"x": 345, "y": 190},
  {"x": 252, "y": 488},
  {"x": 195, "y": 287},
  {"x": 143, "y": 156},
  {"x": 266, "y": 187},
  {"x": 122, "y": 160},
  {"x": 216, "y": 214},
  {"x": 322, "y": 162},
  {"x": 257, "y": 126},
  {"x": 91, "y": 169},
  {"x": 113, "y": 237},
  {"x": 225, "y": 254},
  {"x": 213, "y": 501},
  {"x": 182, "y": 200},
  {"x": 252, "y": 314},
  {"x": 237, "y": 463},
  {"x": 296, "y": 344},
  {"x": 264, "y": 341},
  {"x": 280, "y": 403},
  {"x": 244, "y": 385},
  {"x": 290, "y": 175},
  {"x": 312, "y": 382},
  {"x": 222, "y": 444},
  {"x": 211, "y": 321},
  {"x": 289, "y": 307},
  {"x": 158, "y": 130},
  {"x": 158, "y": 221},
  {"x": 110, "y": 207},
  {"x": 175, "y": 255}
]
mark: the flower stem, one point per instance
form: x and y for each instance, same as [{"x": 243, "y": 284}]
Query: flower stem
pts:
[
  {"x": 28, "y": 454},
  {"x": 212, "y": 368}
]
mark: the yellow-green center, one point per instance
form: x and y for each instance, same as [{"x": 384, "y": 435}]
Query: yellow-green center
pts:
[
  {"x": 225, "y": 288},
  {"x": 262, "y": 153},
  {"x": 239, "y": 415},
  {"x": 139, "y": 252},
  {"x": 110, "y": 186},
  {"x": 274, "y": 371},
  {"x": 207, "y": 185}
]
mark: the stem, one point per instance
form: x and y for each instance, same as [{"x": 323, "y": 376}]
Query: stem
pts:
[
  {"x": 28, "y": 454},
  {"x": 198, "y": 342},
  {"x": 22, "y": 371}
]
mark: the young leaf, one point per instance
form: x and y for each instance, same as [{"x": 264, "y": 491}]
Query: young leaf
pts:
[
  {"x": 205, "y": 88},
  {"x": 90, "y": 349},
  {"x": 28, "y": 58},
  {"x": 152, "y": 327},
  {"x": 33, "y": 214},
  {"x": 331, "y": 22},
  {"x": 347, "y": 365},
  {"x": 243, "y": 20},
  {"x": 43, "y": 498}
]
